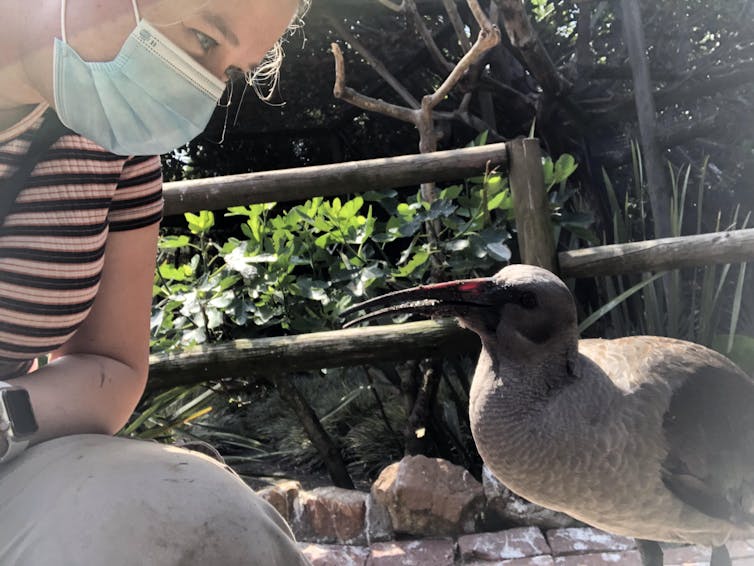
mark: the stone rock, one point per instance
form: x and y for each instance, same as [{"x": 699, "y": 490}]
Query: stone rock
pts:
[
  {"x": 741, "y": 548},
  {"x": 330, "y": 514},
  {"x": 586, "y": 539},
  {"x": 679, "y": 555},
  {"x": 524, "y": 542},
  {"x": 429, "y": 497},
  {"x": 281, "y": 496},
  {"x": 379, "y": 527},
  {"x": 505, "y": 507},
  {"x": 412, "y": 553},
  {"x": 530, "y": 561},
  {"x": 627, "y": 558},
  {"x": 334, "y": 554}
]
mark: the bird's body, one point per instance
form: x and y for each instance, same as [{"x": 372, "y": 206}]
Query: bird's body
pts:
[
  {"x": 598, "y": 447},
  {"x": 646, "y": 437}
]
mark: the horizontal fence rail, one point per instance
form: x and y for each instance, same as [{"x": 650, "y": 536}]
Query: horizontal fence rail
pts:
[
  {"x": 303, "y": 183},
  {"x": 659, "y": 255},
  {"x": 267, "y": 357}
]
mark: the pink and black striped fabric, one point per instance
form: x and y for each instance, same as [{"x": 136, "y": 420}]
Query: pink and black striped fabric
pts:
[{"x": 52, "y": 242}]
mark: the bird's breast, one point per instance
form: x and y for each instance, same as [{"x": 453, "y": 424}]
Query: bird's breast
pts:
[{"x": 575, "y": 451}]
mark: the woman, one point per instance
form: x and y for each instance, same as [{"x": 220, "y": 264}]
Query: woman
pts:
[{"x": 90, "y": 93}]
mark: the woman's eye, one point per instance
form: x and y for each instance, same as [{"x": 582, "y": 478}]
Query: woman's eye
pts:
[{"x": 205, "y": 41}]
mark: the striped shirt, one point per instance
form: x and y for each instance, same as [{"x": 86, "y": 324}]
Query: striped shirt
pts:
[{"x": 52, "y": 241}]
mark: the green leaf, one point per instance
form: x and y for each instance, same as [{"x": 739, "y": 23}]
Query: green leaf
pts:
[
  {"x": 481, "y": 139},
  {"x": 499, "y": 251},
  {"x": 502, "y": 200},
  {"x": 170, "y": 272},
  {"x": 495, "y": 183},
  {"x": 351, "y": 208},
  {"x": 313, "y": 289},
  {"x": 322, "y": 241},
  {"x": 457, "y": 245},
  {"x": 548, "y": 171},
  {"x": 418, "y": 262},
  {"x": 242, "y": 264},
  {"x": 200, "y": 223},
  {"x": 451, "y": 192},
  {"x": 172, "y": 242},
  {"x": 564, "y": 168}
]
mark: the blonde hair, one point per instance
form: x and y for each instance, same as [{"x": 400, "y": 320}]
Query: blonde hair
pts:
[{"x": 264, "y": 78}]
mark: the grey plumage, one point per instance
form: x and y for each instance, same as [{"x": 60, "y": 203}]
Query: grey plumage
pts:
[{"x": 642, "y": 436}]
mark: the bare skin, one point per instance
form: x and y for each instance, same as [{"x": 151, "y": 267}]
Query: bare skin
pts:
[{"x": 97, "y": 377}]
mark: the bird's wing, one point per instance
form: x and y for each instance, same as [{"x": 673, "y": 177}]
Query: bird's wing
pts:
[{"x": 708, "y": 424}]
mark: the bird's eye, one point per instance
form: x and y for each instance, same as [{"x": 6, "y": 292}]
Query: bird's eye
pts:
[{"x": 528, "y": 300}]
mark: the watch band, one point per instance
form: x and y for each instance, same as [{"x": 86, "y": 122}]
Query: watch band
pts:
[
  {"x": 14, "y": 449},
  {"x": 13, "y": 446}
]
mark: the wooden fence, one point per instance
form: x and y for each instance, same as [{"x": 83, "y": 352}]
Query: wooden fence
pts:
[{"x": 340, "y": 348}]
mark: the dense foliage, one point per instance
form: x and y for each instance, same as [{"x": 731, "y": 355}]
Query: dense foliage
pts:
[{"x": 293, "y": 270}]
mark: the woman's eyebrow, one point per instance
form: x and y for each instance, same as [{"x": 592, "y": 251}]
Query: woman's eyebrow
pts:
[{"x": 219, "y": 23}]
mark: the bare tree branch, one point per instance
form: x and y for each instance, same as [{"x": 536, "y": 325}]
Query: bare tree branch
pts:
[
  {"x": 373, "y": 62},
  {"x": 689, "y": 89},
  {"x": 426, "y": 35},
  {"x": 474, "y": 122},
  {"x": 458, "y": 25},
  {"x": 489, "y": 36},
  {"x": 343, "y": 92},
  {"x": 524, "y": 38},
  {"x": 392, "y": 5},
  {"x": 422, "y": 118}
]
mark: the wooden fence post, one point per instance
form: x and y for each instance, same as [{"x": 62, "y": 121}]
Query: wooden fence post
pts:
[{"x": 535, "y": 234}]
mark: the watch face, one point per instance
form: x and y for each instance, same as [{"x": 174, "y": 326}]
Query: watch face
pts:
[{"x": 19, "y": 410}]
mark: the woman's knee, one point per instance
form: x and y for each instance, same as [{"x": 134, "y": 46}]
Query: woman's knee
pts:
[{"x": 133, "y": 502}]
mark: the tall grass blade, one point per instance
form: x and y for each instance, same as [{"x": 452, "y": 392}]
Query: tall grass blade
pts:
[
  {"x": 159, "y": 403},
  {"x": 606, "y": 308},
  {"x": 735, "y": 313},
  {"x": 736, "y": 310}
]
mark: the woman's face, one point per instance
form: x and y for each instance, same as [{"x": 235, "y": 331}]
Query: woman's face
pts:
[
  {"x": 225, "y": 35},
  {"x": 220, "y": 34}
]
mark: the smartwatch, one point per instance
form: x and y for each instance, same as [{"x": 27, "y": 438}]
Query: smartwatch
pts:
[{"x": 17, "y": 422}]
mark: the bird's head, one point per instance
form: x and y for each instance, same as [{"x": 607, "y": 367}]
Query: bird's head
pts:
[{"x": 519, "y": 310}]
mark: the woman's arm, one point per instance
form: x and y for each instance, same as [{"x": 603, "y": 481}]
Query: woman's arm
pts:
[{"x": 96, "y": 378}]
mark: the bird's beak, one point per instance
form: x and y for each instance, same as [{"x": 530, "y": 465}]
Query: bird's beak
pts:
[{"x": 441, "y": 299}]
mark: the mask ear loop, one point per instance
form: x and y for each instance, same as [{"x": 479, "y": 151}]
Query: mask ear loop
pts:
[
  {"x": 136, "y": 11},
  {"x": 227, "y": 110},
  {"x": 240, "y": 103},
  {"x": 62, "y": 21},
  {"x": 179, "y": 20}
]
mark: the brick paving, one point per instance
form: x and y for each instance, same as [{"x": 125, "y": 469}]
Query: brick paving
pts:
[{"x": 527, "y": 546}]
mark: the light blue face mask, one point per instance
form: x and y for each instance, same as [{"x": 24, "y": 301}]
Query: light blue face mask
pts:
[{"x": 152, "y": 98}]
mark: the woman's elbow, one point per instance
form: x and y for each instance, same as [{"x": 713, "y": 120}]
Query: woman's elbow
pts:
[{"x": 125, "y": 402}]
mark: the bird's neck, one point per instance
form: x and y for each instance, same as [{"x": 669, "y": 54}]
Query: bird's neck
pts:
[
  {"x": 522, "y": 380},
  {"x": 508, "y": 398}
]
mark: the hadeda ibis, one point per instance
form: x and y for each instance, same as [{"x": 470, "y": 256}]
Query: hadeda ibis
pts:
[{"x": 642, "y": 436}]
